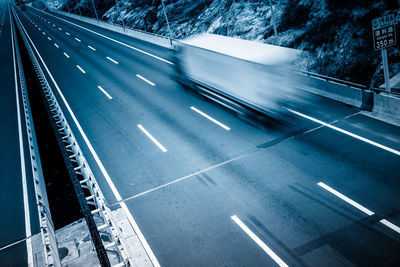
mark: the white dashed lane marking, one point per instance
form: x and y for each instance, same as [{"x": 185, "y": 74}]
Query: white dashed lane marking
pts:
[
  {"x": 155, "y": 141},
  {"x": 112, "y": 60},
  {"x": 146, "y": 80},
  {"x": 210, "y": 118},
  {"x": 358, "y": 206},
  {"x": 80, "y": 68},
  {"x": 259, "y": 242},
  {"x": 105, "y": 92}
]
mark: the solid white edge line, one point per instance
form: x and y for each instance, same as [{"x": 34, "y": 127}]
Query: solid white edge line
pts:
[
  {"x": 259, "y": 242},
  {"x": 105, "y": 92},
  {"x": 346, "y": 199},
  {"x": 79, "y": 40},
  {"x": 146, "y": 80},
  {"x": 66, "y": 55},
  {"x": 390, "y": 225},
  {"x": 210, "y": 118},
  {"x": 396, "y": 152},
  {"x": 112, "y": 60},
  {"x": 28, "y": 231},
  {"x": 111, "y": 39},
  {"x": 94, "y": 49},
  {"x": 110, "y": 183},
  {"x": 155, "y": 141},
  {"x": 80, "y": 68}
]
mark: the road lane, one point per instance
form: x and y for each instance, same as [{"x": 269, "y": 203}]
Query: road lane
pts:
[
  {"x": 370, "y": 177},
  {"x": 140, "y": 98},
  {"x": 137, "y": 45},
  {"x": 272, "y": 185},
  {"x": 294, "y": 218}
]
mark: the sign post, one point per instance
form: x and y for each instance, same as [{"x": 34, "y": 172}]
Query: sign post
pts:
[
  {"x": 384, "y": 33},
  {"x": 385, "y": 68}
]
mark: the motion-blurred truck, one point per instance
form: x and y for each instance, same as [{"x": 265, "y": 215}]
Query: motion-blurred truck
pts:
[{"x": 242, "y": 75}]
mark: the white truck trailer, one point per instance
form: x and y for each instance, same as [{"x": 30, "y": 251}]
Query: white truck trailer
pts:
[{"x": 243, "y": 73}]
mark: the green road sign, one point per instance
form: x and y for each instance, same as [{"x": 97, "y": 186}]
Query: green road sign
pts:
[{"x": 384, "y": 32}]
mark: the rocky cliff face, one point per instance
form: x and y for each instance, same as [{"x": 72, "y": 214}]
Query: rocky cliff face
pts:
[{"x": 336, "y": 32}]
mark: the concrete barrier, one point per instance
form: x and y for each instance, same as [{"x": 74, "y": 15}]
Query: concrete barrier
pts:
[
  {"x": 343, "y": 93},
  {"x": 387, "y": 104},
  {"x": 141, "y": 35}
]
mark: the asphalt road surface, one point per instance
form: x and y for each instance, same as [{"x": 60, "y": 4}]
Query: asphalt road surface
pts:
[{"x": 208, "y": 188}]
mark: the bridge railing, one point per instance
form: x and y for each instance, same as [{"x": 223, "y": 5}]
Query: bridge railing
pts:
[{"x": 346, "y": 83}]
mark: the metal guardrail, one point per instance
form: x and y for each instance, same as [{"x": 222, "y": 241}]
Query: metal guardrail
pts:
[
  {"x": 50, "y": 250},
  {"x": 346, "y": 83},
  {"x": 331, "y": 79},
  {"x": 97, "y": 214}
]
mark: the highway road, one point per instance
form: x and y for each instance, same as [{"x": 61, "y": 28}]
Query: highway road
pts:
[
  {"x": 209, "y": 188},
  {"x": 18, "y": 210}
]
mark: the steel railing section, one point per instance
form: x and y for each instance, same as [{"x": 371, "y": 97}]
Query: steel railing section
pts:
[
  {"x": 345, "y": 83},
  {"x": 93, "y": 197},
  {"x": 50, "y": 249},
  {"x": 331, "y": 79}
]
